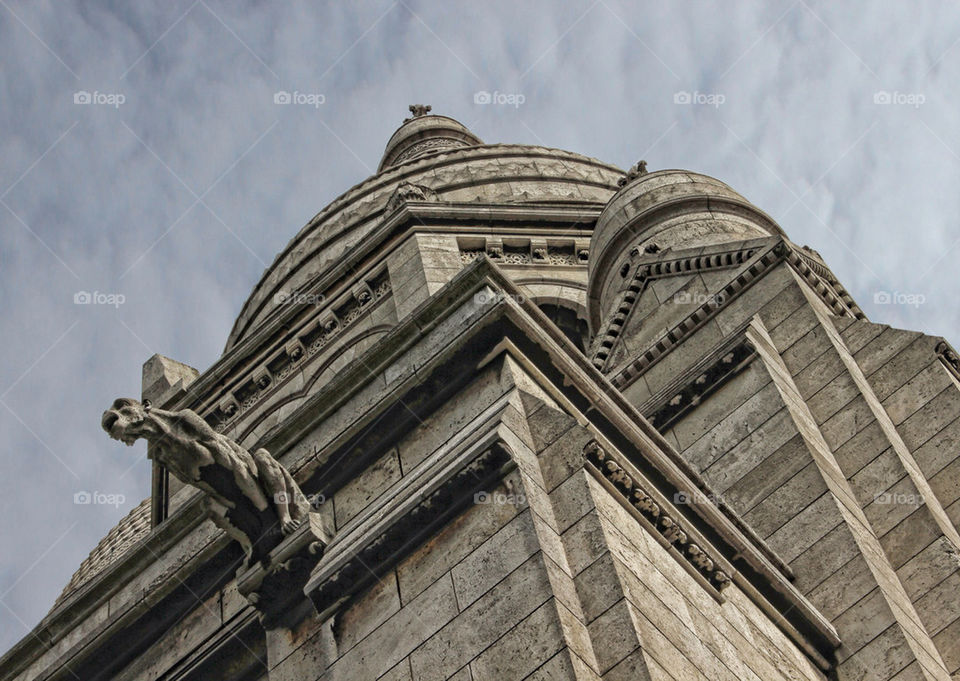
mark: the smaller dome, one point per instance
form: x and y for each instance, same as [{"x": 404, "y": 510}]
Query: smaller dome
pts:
[
  {"x": 667, "y": 210},
  {"x": 424, "y": 133}
]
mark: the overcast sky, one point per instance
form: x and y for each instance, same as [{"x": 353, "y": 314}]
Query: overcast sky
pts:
[{"x": 180, "y": 180}]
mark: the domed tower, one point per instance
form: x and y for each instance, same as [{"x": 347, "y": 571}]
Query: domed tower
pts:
[
  {"x": 551, "y": 420},
  {"x": 445, "y": 199}
]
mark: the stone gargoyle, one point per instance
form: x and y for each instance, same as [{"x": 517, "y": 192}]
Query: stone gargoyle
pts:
[{"x": 251, "y": 496}]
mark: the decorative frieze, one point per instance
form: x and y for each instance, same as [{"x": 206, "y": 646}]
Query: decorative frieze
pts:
[
  {"x": 328, "y": 324},
  {"x": 670, "y": 528},
  {"x": 530, "y": 252}
]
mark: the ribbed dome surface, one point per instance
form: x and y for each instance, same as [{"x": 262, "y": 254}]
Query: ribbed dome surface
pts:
[
  {"x": 493, "y": 173},
  {"x": 131, "y": 529}
]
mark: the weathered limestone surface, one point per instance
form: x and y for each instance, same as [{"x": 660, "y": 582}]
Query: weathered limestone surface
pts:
[
  {"x": 855, "y": 395},
  {"x": 557, "y": 430}
]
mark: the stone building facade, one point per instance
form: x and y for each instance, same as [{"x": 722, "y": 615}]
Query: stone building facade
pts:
[{"x": 556, "y": 421}]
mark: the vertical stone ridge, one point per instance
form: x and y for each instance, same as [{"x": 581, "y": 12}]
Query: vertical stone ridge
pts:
[
  {"x": 890, "y": 430},
  {"x": 894, "y": 593}
]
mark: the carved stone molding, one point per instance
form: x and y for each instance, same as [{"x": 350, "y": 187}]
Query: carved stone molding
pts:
[
  {"x": 707, "y": 381},
  {"x": 379, "y": 543},
  {"x": 815, "y": 274},
  {"x": 670, "y": 528},
  {"x": 948, "y": 356},
  {"x": 407, "y": 191},
  {"x": 428, "y": 145},
  {"x": 672, "y": 338},
  {"x": 321, "y": 328},
  {"x": 532, "y": 252},
  {"x": 824, "y": 283},
  {"x": 652, "y": 270}
]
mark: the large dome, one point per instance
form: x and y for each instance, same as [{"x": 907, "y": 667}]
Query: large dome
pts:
[{"x": 479, "y": 174}]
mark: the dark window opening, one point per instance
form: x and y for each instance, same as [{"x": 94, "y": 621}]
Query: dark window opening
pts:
[{"x": 569, "y": 323}]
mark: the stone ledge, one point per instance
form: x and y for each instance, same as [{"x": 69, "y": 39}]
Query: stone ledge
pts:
[
  {"x": 705, "y": 569},
  {"x": 417, "y": 507}
]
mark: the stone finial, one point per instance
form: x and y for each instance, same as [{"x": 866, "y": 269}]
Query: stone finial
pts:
[
  {"x": 419, "y": 110},
  {"x": 635, "y": 171}
]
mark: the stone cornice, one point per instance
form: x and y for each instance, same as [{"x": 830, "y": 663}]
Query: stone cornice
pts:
[
  {"x": 408, "y": 218},
  {"x": 699, "y": 385},
  {"x": 271, "y": 370},
  {"x": 687, "y": 326},
  {"x": 364, "y": 552},
  {"x": 764, "y": 258},
  {"x": 653, "y": 269},
  {"x": 822, "y": 281},
  {"x": 794, "y": 614}
]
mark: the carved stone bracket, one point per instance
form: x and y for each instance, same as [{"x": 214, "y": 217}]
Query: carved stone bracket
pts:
[
  {"x": 533, "y": 252},
  {"x": 274, "y": 586},
  {"x": 670, "y": 528},
  {"x": 405, "y": 522}
]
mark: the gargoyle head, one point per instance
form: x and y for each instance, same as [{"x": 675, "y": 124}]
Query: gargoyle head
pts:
[{"x": 125, "y": 420}]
